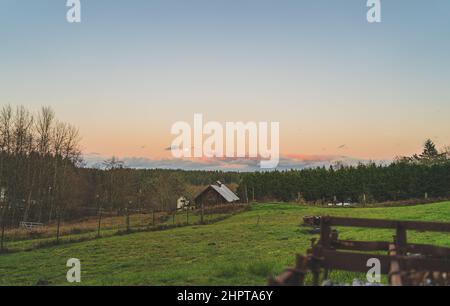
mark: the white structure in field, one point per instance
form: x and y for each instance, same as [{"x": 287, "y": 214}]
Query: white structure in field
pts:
[{"x": 182, "y": 203}]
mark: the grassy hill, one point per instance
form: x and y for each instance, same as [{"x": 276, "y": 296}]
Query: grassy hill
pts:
[{"x": 242, "y": 250}]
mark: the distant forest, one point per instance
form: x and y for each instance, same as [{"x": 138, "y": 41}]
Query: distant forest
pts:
[
  {"x": 418, "y": 176},
  {"x": 42, "y": 178},
  {"x": 361, "y": 184}
]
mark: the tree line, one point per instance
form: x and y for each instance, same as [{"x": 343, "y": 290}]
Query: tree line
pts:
[
  {"x": 418, "y": 176},
  {"x": 38, "y": 164}
]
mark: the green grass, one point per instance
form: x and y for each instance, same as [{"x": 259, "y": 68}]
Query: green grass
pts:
[
  {"x": 79, "y": 232},
  {"x": 236, "y": 251}
]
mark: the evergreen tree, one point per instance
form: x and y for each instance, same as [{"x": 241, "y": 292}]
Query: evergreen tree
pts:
[
  {"x": 430, "y": 154},
  {"x": 429, "y": 151}
]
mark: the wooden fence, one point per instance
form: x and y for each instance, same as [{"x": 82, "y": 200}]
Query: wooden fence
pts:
[{"x": 405, "y": 263}]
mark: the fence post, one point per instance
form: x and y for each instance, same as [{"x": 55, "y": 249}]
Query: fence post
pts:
[
  {"x": 99, "y": 222},
  {"x": 2, "y": 238},
  {"x": 99, "y": 217},
  {"x": 400, "y": 240},
  {"x": 246, "y": 194},
  {"x": 325, "y": 232},
  {"x": 58, "y": 225},
  {"x": 316, "y": 265},
  {"x": 187, "y": 216},
  {"x": 153, "y": 217},
  {"x": 202, "y": 213},
  {"x": 127, "y": 219}
]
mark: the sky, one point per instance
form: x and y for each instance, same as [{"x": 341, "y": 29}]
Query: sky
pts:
[{"x": 338, "y": 85}]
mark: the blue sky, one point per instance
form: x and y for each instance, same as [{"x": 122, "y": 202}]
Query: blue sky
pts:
[{"x": 132, "y": 68}]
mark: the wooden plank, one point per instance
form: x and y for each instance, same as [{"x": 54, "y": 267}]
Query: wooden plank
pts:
[
  {"x": 367, "y": 246},
  {"x": 425, "y": 264},
  {"x": 400, "y": 240},
  {"x": 388, "y": 224},
  {"x": 429, "y": 250},
  {"x": 325, "y": 232},
  {"x": 395, "y": 277},
  {"x": 353, "y": 262},
  {"x": 356, "y": 262},
  {"x": 361, "y": 245}
]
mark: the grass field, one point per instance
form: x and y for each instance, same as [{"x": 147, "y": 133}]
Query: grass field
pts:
[
  {"x": 20, "y": 239},
  {"x": 242, "y": 250}
]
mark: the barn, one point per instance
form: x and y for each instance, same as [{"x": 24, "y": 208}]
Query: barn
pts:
[{"x": 216, "y": 194}]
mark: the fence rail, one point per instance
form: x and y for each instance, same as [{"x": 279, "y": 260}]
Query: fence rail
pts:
[{"x": 30, "y": 225}]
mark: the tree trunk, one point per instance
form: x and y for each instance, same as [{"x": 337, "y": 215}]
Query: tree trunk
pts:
[
  {"x": 99, "y": 221},
  {"x": 61, "y": 200},
  {"x": 29, "y": 198},
  {"x": 127, "y": 219},
  {"x": 202, "y": 213},
  {"x": 53, "y": 190}
]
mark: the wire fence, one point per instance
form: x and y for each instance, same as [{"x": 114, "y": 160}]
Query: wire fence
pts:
[{"x": 25, "y": 236}]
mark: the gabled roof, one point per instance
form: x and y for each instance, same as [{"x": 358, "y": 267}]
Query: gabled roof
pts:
[{"x": 224, "y": 191}]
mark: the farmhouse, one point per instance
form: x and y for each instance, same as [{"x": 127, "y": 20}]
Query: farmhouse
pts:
[{"x": 216, "y": 194}]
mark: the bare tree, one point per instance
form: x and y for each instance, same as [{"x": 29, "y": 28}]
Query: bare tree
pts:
[
  {"x": 43, "y": 127},
  {"x": 112, "y": 166},
  {"x": 6, "y": 115},
  {"x": 70, "y": 154},
  {"x": 5, "y": 149},
  {"x": 22, "y": 149},
  {"x": 57, "y": 143},
  {"x": 22, "y": 125},
  {"x": 38, "y": 155}
]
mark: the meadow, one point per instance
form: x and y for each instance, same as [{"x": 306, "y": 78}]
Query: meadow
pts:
[
  {"x": 244, "y": 249},
  {"x": 21, "y": 239}
]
